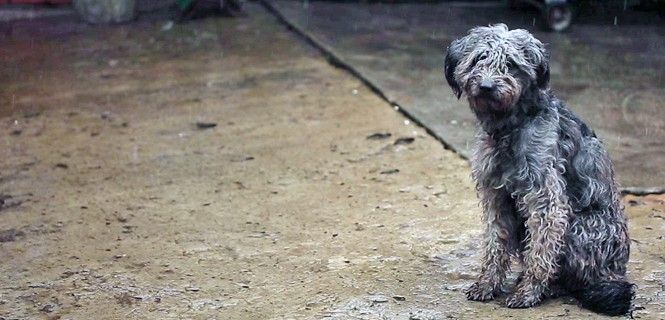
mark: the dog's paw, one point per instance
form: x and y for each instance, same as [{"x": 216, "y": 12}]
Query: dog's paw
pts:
[
  {"x": 480, "y": 292},
  {"x": 523, "y": 298}
]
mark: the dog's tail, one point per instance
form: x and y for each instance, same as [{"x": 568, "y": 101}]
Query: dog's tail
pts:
[{"x": 610, "y": 297}]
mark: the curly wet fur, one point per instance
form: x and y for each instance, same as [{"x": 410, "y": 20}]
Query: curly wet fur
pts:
[{"x": 545, "y": 181}]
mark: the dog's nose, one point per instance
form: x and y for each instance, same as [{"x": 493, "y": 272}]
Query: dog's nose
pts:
[{"x": 486, "y": 85}]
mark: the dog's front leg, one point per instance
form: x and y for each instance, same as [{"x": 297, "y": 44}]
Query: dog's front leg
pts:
[
  {"x": 499, "y": 242},
  {"x": 548, "y": 215}
]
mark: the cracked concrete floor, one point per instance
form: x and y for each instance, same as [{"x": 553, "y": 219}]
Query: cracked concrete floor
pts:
[{"x": 116, "y": 205}]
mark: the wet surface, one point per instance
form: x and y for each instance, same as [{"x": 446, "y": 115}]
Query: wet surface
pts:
[
  {"x": 610, "y": 75},
  {"x": 223, "y": 169}
]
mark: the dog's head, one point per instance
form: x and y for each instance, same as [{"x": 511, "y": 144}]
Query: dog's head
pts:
[{"x": 494, "y": 66}]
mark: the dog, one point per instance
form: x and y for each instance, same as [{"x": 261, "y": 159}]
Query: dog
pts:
[{"x": 545, "y": 181}]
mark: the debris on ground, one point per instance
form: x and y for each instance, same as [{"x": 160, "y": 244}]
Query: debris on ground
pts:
[
  {"x": 205, "y": 125},
  {"x": 379, "y": 136},
  {"x": 404, "y": 140},
  {"x": 390, "y": 171}
]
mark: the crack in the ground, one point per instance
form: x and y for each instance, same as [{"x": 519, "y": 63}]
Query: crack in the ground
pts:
[{"x": 335, "y": 60}]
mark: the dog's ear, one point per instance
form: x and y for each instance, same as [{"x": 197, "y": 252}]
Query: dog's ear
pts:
[
  {"x": 540, "y": 59},
  {"x": 453, "y": 56},
  {"x": 536, "y": 56},
  {"x": 543, "y": 71}
]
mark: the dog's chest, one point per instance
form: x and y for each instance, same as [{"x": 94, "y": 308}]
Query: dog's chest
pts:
[{"x": 496, "y": 166}]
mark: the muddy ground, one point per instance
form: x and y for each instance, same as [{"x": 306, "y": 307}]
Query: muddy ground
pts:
[{"x": 222, "y": 169}]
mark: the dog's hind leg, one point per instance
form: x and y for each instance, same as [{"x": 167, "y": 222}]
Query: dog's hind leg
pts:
[{"x": 594, "y": 261}]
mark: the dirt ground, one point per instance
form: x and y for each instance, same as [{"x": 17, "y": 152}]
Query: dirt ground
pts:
[{"x": 222, "y": 169}]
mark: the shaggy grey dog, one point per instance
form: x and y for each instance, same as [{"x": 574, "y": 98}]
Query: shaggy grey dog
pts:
[{"x": 545, "y": 181}]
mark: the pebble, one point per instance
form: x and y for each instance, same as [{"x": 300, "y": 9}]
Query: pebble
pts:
[{"x": 378, "y": 298}]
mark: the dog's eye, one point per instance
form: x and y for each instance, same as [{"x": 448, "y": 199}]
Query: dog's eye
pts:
[
  {"x": 510, "y": 64},
  {"x": 479, "y": 58}
]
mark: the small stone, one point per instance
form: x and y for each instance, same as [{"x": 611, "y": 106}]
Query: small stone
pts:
[
  {"x": 48, "y": 308},
  {"x": 378, "y": 298},
  {"x": 455, "y": 287}
]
